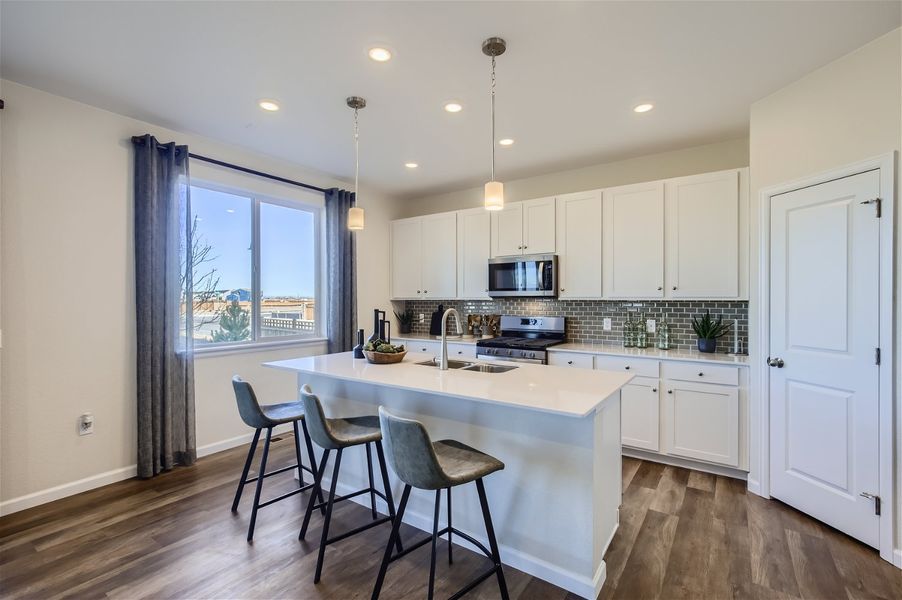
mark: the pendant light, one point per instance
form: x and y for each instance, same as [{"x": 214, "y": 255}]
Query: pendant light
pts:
[
  {"x": 355, "y": 213},
  {"x": 494, "y": 190}
]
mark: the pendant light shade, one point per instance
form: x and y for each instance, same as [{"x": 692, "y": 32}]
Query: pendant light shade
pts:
[
  {"x": 355, "y": 213},
  {"x": 494, "y": 195},
  {"x": 494, "y": 190},
  {"x": 355, "y": 219}
]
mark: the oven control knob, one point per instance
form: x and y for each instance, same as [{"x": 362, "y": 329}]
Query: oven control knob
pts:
[
  {"x": 510, "y": 352},
  {"x": 532, "y": 355}
]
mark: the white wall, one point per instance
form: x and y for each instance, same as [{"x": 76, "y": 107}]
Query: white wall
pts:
[
  {"x": 687, "y": 161},
  {"x": 847, "y": 111},
  {"x": 67, "y": 293}
]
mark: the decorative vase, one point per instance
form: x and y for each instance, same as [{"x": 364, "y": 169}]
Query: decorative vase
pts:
[
  {"x": 404, "y": 327},
  {"x": 707, "y": 345}
]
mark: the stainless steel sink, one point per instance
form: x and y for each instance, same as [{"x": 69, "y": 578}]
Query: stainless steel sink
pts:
[
  {"x": 485, "y": 368},
  {"x": 452, "y": 364}
]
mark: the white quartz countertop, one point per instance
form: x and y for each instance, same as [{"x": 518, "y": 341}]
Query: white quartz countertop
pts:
[
  {"x": 557, "y": 390},
  {"x": 609, "y": 349}
]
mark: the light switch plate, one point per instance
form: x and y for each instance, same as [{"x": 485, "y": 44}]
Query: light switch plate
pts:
[
  {"x": 650, "y": 325},
  {"x": 606, "y": 324}
]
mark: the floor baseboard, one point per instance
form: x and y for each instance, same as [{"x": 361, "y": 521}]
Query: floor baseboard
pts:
[{"x": 57, "y": 492}]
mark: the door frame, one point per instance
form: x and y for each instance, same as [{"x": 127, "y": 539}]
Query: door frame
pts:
[{"x": 759, "y": 482}]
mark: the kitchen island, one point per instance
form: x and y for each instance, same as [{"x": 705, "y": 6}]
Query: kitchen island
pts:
[{"x": 557, "y": 430}]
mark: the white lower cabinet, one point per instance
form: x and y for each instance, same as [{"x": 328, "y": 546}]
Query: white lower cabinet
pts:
[
  {"x": 570, "y": 359},
  {"x": 640, "y": 414},
  {"x": 434, "y": 348},
  {"x": 701, "y": 421},
  {"x": 461, "y": 351}
]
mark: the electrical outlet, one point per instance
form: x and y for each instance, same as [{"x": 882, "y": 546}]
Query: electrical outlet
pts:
[
  {"x": 650, "y": 325},
  {"x": 606, "y": 324},
  {"x": 422, "y": 317},
  {"x": 86, "y": 424}
]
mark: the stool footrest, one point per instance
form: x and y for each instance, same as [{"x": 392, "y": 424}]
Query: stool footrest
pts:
[
  {"x": 465, "y": 589},
  {"x": 356, "y": 530},
  {"x": 351, "y": 495},
  {"x": 286, "y": 495},
  {"x": 277, "y": 471},
  {"x": 442, "y": 532}
]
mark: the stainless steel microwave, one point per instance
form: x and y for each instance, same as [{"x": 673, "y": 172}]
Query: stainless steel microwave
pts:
[{"x": 523, "y": 276}]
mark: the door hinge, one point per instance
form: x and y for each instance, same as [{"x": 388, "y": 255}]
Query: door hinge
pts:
[
  {"x": 877, "y": 356},
  {"x": 876, "y": 500},
  {"x": 878, "y": 202}
]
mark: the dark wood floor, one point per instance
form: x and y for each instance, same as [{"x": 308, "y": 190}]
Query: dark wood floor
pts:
[{"x": 683, "y": 534}]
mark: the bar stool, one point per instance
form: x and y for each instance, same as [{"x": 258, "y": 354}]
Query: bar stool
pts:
[
  {"x": 266, "y": 417},
  {"x": 422, "y": 464},
  {"x": 339, "y": 434}
]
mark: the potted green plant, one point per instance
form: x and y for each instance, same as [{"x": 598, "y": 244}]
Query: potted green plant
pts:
[
  {"x": 405, "y": 320},
  {"x": 708, "y": 330}
]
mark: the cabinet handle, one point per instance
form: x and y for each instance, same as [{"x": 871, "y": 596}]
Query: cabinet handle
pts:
[
  {"x": 669, "y": 391},
  {"x": 674, "y": 288},
  {"x": 700, "y": 374},
  {"x": 627, "y": 367},
  {"x": 660, "y": 287},
  {"x": 460, "y": 351},
  {"x": 654, "y": 390},
  {"x": 418, "y": 291},
  {"x": 563, "y": 290},
  {"x": 569, "y": 362}
]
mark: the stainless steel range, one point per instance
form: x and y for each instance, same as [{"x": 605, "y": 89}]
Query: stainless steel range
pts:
[{"x": 523, "y": 339}]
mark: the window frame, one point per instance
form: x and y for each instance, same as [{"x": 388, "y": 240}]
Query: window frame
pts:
[{"x": 257, "y": 340}]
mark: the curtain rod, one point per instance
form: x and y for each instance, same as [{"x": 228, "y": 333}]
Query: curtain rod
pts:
[{"x": 235, "y": 167}]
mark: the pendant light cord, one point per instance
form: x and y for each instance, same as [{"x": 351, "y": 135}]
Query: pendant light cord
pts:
[
  {"x": 493, "y": 118},
  {"x": 356, "y": 153}
]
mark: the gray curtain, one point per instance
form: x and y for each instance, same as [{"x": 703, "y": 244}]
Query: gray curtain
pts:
[
  {"x": 166, "y": 434},
  {"x": 341, "y": 267}
]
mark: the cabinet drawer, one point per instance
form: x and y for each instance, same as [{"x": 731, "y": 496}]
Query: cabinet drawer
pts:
[
  {"x": 570, "y": 359},
  {"x": 701, "y": 373},
  {"x": 421, "y": 346},
  {"x": 641, "y": 367},
  {"x": 461, "y": 351}
]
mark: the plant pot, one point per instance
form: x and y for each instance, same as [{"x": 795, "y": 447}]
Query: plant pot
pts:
[
  {"x": 707, "y": 345},
  {"x": 402, "y": 328}
]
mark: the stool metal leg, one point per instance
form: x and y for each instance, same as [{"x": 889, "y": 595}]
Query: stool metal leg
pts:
[
  {"x": 369, "y": 472},
  {"x": 393, "y": 538},
  {"x": 438, "y": 503},
  {"x": 297, "y": 451},
  {"x": 247, "y": 468},
  {"x": 490, "y": 533},
  {"x": 250, "y": 529},
  {"x": 386, "y": 486},
  {"x": 317, "y": 492},
  {"x": 450, "y": 557},
  {"x": 327, "y": 518}
]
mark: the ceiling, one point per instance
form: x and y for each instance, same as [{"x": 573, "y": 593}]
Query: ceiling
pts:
[{"x": 565, "y": 90}]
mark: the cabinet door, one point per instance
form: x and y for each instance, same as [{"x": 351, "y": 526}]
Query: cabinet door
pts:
[
  {"x": 640, "y": 414},
  {"x": 703, "y": 235},
  {"x": 579, "y": 245},
  {"x": 702, "y": 422},
  {"x": 439, "y": 251},
  {"x": 538, "y": 226},
  {"x": 633, "y": 257},
  {"x": 406, "y": 258},
  {"x": 474, "y": 247},
  {"x": 507, "y": 230}
]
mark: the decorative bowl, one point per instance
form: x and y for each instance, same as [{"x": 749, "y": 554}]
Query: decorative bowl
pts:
[{"x": 384, "y": 358}]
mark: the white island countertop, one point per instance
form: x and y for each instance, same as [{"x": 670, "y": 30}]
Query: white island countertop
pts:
[{"x": 557, "y": 390}]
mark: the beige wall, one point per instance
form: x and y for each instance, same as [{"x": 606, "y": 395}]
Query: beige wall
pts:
[
  {"x": 847, "y": 111},
  {"x": 68, "y": 293},
  {"x": 688, "y": 161}
]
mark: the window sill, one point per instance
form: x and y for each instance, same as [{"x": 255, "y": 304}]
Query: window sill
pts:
[{"x": 258, "y": 347}]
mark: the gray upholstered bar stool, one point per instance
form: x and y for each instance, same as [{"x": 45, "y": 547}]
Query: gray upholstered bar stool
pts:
[
  {"x": 339, "y": 434},
  {"x": 266, "y": 416},
  {"x": 422, "y": 464}
]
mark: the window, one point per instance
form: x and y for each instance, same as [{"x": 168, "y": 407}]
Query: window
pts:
[{"x": 255, "y": 268}]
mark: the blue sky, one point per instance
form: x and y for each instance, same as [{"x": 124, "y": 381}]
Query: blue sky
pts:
[{"x": 287, "y": 243}]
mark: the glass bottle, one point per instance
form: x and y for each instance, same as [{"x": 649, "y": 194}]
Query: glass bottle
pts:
[
  {"x": 663, "y": 335},
  {"x": 641, "y": 332},
  {"x": 629, "y": 339}
]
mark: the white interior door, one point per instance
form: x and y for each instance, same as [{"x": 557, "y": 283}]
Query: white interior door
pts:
[{"x": 823, "y": 340}]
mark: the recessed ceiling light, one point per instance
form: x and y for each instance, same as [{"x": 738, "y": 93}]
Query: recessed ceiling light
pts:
[
  {"x": 411, "y": 165},
  {"x": 230, "y": 210},
  {"x": 641, "y": 108},
  {"x": 380, "y": 54},
  {"x": 270, "y": 105},
  {"x": 506, "y": 142},
  {"x": 453, "y": 107}
]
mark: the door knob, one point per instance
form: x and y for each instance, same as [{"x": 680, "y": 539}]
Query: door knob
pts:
[{"x": 775, "y": 362}]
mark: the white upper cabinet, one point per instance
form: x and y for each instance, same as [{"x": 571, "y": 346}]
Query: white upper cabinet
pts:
[
  {"x": 406, "y": 258},
  {"x": 507, "y": 230},
  {"x": 474, "y": 247},
  {"x": 538, "y": 226},
  {"x": 633, "y": 234},
  {"x": 524, "y": 228},
  {"x": 706, "y": 235},
  {"x": 424, "y": 257},
  {"x": 579, "y": 245},
  {"x": 439, "y": 269}
]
